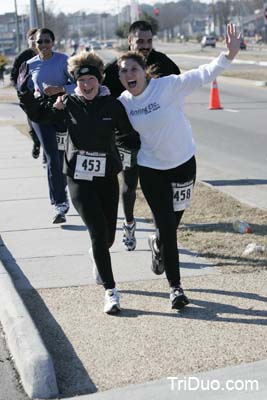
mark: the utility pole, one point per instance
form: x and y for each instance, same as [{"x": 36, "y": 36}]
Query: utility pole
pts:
[
  {"x": 17, "y": 26},
  {"x": 119, "y": 13},
  {"x": 265, "y": 20},
  {"x": 104, "y": 25},
  {"x": 134, "y": 11},
  {"x": 33, "y": 14},
  {"x": 43, "y": 14},
  {"x": 241, "y": 22},
  {"x": 213, "y": 16}
]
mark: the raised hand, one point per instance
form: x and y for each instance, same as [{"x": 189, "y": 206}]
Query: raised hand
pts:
[
  {"x": 23, "y": 77},
  {"x": 232, "y": 41}
]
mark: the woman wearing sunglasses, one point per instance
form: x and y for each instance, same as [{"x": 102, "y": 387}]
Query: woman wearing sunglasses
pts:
[{"x": 50, "y": 78}]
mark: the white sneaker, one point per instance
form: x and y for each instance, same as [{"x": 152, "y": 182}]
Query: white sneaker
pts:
[
  {"x": 96, "y": 275},
  {"x": 112, "y": 301},
  {"x": 65, "y": 206},
  {"x": 59, "y": 216}
]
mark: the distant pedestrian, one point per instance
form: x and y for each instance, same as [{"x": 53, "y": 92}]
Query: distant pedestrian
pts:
[
  {"x": 140, "y": 39},
  {"x": 49, "y": 78},
  {"x": 92, "y": 160},
  {"x": 166, "y": 158},
  {"x": 21, "y": 58},
  {"x": 2, "y": 70}
]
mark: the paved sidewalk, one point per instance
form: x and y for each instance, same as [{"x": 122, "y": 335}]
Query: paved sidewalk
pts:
[{"x": 225, "y": 324}]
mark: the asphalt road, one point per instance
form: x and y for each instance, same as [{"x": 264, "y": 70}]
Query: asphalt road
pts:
[
  {"x": 9, "y": 386},
  {"x": 232, "y": 143}
]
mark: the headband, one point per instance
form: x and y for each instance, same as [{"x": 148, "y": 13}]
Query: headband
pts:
[{"x": 88, "y": 70}]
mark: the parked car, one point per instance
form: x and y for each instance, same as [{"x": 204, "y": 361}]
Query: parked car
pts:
[
  {"x": 259, "y": 41},
  {"x": 95, "y": 46},
  {"x": 243, "y": 44},
  {"x": 208, "y": 41},
  {"x": 108, "y": 45}
]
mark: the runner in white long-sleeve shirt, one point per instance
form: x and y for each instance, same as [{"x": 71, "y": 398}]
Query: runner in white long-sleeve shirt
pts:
[{"x": 167, "y": 155}]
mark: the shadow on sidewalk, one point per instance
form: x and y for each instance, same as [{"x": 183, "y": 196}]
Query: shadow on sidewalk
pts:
[
  {"x": 72, "y": 378},
  {"x": 233, "y": 260},
  {"x": 237, "y": 182},
  {"x": 207, "y": 310}
]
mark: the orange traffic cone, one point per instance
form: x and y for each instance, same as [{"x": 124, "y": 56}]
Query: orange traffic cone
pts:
[{"x": 214, "y": 97}]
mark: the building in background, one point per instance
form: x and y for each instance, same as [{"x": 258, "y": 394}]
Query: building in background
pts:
[{"x": 8, "y": 32}]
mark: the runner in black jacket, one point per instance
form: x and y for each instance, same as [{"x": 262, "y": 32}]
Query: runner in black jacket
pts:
[
  {"x": 141, "y": 40},
  {"x": 92, "y": 161},
  {"x": 19, "y": 60}
]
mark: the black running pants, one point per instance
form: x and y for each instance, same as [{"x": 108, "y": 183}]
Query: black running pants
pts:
[
  {"x": 130, "y": 180},
  {"x": 97, "y": 203},
  {"x": 157, "y": 188}
]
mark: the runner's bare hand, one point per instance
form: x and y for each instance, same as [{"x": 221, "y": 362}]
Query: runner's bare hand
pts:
[{"x": 232, "y": 41}]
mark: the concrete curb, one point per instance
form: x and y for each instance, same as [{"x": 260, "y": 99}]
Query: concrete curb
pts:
[{"x": 31, "y": 358}]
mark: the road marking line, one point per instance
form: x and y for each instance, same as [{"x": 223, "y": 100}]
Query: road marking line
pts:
[{"x": 230, "y": 110}]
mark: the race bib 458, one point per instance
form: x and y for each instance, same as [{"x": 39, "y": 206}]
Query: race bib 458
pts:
[{"x": 182, "y": 195}]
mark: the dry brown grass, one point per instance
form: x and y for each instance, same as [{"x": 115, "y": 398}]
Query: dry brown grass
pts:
[
  {"x": 251, "y": 73},
  {"x": 23, "y": 128},
  {"x": 207, "y": 229},
  {"x": 259, "y": 74},
  {"x": 8, "y": 94}
]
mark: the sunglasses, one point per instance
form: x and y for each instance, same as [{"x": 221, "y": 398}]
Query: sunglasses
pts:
[{"x": 45, "y": 41}]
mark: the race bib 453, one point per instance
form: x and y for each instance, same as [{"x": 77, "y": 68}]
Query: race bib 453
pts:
[{"x": 90, "y": 165}]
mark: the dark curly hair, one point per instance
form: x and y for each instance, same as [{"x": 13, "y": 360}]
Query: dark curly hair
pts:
[
  {"x": 46, "y": 31},
  {"x": 151, "y": 71}
]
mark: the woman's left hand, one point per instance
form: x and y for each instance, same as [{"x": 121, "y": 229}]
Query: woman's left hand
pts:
[
  {"x": 52, "y": 90},
  {"x": 59, "y": 105},
  {"x": 232, "y": 41}
]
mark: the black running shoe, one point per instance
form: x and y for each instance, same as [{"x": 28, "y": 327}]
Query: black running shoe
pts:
[
  {"x": 178, "y": 298},
  {"x": 35, "y": 150},
  {"x": 157, "y": 263}
]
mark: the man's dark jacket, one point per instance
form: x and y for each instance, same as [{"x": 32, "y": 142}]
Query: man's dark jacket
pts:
[
  {"x": 24, "y": 56},
  {"x": 161, "y": 64}
]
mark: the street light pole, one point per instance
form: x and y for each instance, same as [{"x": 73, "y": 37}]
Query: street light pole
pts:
[
  {"x": 213, "y": 16},
  {"x": 241, "y": 18},
  {"x": 33, "y": 14},
  {"x": 119, "y": 12},
  {"x": 17, "y": 26},
  {"x": 43, "y": 14},
  {"x": 265, "y": 20}
]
